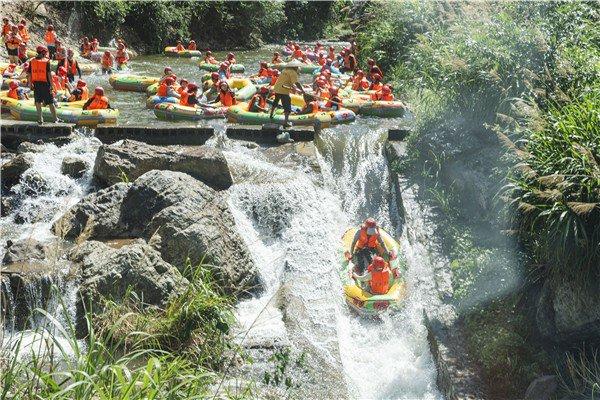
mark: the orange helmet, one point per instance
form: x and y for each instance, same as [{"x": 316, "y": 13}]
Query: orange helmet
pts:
[{"x": 169, "y": 81}]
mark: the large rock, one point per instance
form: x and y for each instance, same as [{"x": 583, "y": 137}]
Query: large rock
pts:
[
  {"x": 109, "y": 273},
  {"x": 129, "y": 160},
  {"x": 96, "y": 216},
  {"x": 74, "y": 167},
  {"x": 542, "y": 388},
  {"x": 26, "y": 250},
  {"x": 28, "y": 147},
  {"x": 11, "y": 171},
  {"x": 189, "y": 222},
  {"x": 569, "y": 312}
]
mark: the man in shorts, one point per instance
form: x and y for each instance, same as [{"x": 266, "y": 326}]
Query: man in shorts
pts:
[
  {"x": 40, "y": 80},
  {"x": 283, "y": 87}
]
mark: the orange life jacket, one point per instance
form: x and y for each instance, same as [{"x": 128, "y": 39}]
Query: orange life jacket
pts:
[
  {"x": 107, "y": 62},
  {"x": 366, "y": 241},
  {"x": 13, "y": 41},
  {"x": 87, "y": 47},
  {"x": 359, "y": 83},
  {"x": 192, "y": 46},
  {"x": 314, "y": 107},
  {"x": 38, "y": 70},
  {"x": 210, "y": 60},
  {"x": 94, "y": 46},
  {"x": 377, "y": 86},
  {"x": 227, "y": 98},
  {"x": 12, "y": 93},
  {"x": 58, "y": 83},
  {"x": 262, "y": 102},
  {"x": 380, "y": 279},
  {"x": 273, "y": 80},
  {"x": 333, "y": 101},
  {"x": 70, "y": 66},
  {"x": 85, "y": 94},
  {"x": 379, "y": 96},
  {"x": 5, "y": 29},
  {"x": 24, "y": 34},
  {"x": 298, "y": 54},
  {"x": 183, "y": 100},
  {"x": 50, "y": 38},
  {"x": 162, "y": 90},
  {"x": 179, "y": 47},
  {"x": 121, "y": 56},
  {"x": 180, "y": 89},
  {"x": 263, "y": 72},
  {"x": 98, "y": 103},
  {"x": 322, "y": 61},
  {"x": 276, "y": 60}
]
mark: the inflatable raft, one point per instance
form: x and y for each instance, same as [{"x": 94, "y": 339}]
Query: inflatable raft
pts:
[
  {"x": 26, "y": 112},
  {"x": 357, "y": 297},
  {"x": 235, "y": 68},
  {"x": 177, "y": 112},
  {"x": 375, "y": 108},
  {"x": 171, "y": 51},
  {"x": 244, "y": 88},
  {"x": 238, "y": 114},
  {"x": 7, "y": 102},
  {"x": 154, "y": 100},
  {"x": 131, "y": 83}
]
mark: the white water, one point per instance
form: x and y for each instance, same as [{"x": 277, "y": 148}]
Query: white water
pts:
[{"x": 286, "y": 218}]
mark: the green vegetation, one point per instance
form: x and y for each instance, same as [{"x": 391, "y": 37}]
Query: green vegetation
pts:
[
  {"x": 480, "y": 76},
  {"x": 216, "y": 25},
  {"x": 129, "y": 352}
]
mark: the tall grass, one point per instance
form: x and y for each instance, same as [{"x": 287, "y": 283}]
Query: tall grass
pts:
[{"x": 129, "y": 352}]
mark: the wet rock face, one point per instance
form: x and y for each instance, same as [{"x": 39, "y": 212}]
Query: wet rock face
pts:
[
  {"x": 96, "y": 216},
  {"x": 109, "y": 273},
  {"x": 542, "y": 388},
  {"x": 24, "y": 251},
  {"x": 130, "y": 159},
  {"x": 11, "y": 171},
  {"x": 182, "y": 218},
  {"x": 28, "y": 147},
  {"x": 569, "y": 312},
  {"x": 74, "y": 167}
]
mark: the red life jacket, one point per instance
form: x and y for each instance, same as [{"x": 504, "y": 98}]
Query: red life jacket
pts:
[
  {"x": 379, "y": 96},
  {"x": 12, "y": 93},
  {"x": 183, "y": 100},
  {"x": 192, "y": 46},
  {"x": 107, "y": 62},
  {"x": 377, "y": 86},
  {"x": 262, "y": 102},
  {"x": 298, "y": 54},
  {"x": 313, "y": 106},
  {"x": 58, "y": 83},
  {"x": 179, "y": 47},
  {"x": 98, "y": 103},
  {"x": 359, "y": 83},
  {"x": 50, "y": 38},
  {"x": 162, "y": 90},
  {"x": 85, "y": 94},
  {"x": 121, "y": 56},
  {"x": 380, "y": 279},
  {"x": 5, "y": 29},
  {"x": 38, "y": 70},
  {"x": 333, "y": 101},
  {"x": 366, "y": 241},
  {"x": 264, "y": 72},
  {"x": 24, "y": 34},
  {"x": 227, "y": 98}
]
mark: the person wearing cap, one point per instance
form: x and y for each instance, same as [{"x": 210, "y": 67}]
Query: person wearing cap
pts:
[
  {"x": 5, "y": 27},
  {"x": 98, "y": 101},
  {"x": 367, "y": 241},
  {"x": 167, "y": 89},
  {"x": 71, "y": 65},
  {"x": 40, "y": 79},
  {"x": 378, "y": 276},
  {"x": 231, "y": 59},
  {"x": 16, "y": 92},
  {"x": 22, "y": 53},
  {"x": 258, "y": 102},
  {"x": 283, "y": 87},
  {"x": 121, "y": 58},
  {"x": 226, "y": 96},
  {"x": 167, "y": 73},
  {"x": 50, "y": 39},
  {"x": 81, "y": 92},
  {"x": 23, "y": 31},
  {"x": 209, "y": 59},
  {"x": 189, "y": 96},
  {"x": 311, "y": 105},
  {"x": 385, "y": 94}
]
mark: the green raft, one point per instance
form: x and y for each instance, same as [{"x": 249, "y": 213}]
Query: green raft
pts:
[
  {"x": 374, "y": 108},
  {"x": 79, "y": 116},
  {"x": 238, "y": 114},
  {"x": 171, "y": 51},
  {"x": 131, "y": 83},
  {"x": 235, "y": 68},
  {"x": 305, "y": 69},
  {"x": 177, "y": 112}
]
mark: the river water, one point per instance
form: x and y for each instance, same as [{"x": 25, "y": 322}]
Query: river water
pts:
[{"x": 292, "y": 220}]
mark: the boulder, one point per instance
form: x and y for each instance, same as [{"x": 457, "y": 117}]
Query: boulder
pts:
[
  {"x": 96, "y": 216},
  {"x": 109, "y": 273},
  {"x": 129, "y": 159},
  {"x": 7, "y": 205},
  {"x": 542, "y": 388},
  {"x": 569, "y": 312},
  {"x": 73, "y": 167},
  {"x": 28, "y": 147},
  {"x": 11, "y": 171},
  {"x": 25, "y": 250},
  {"x": 186, "y": 220}
]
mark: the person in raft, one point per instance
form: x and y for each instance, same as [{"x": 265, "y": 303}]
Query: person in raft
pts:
[
  {"x": 367, "y": 242},
  {"x": 226, "y": 96},
  {"x": 16, "y": 92},
  {"x": 189, "y": 96},
  {"x": 167, "y": 88},
  {"x": 311, "y": 105},
  {"x": 98, "y": 101},
  {"x": 385, "y": 94},
  {"x": 40, "y": 80},
  {"x": 179, "y": 46},
  {"x": 81, "y": 92},
  {"x": 10, "y": 71},
  {"x": 71, "y": 65},
  {"x": 107, "y": 61},
  {"x": 121, "y": 57},
  {"x": 209, "y": 59},
  {"x": 283, "y": 87},
  {"x": 22, "y": 53},
  {"x": 192, "y": 45},
  {"x": 258, "y": 102},
  {"x": 378, "y": 276},
  {"x": 277, "y": 58}
]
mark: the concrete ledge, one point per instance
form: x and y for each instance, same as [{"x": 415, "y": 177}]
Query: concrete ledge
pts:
[
  {"x": 267, "y": 134},
  {"x": 12, "y": 133},
  {"x": 175, "y": 135}
]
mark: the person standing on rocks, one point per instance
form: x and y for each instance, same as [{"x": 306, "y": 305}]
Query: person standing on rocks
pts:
[
  {"x": 40, "y": 80},
  {"x": 283, "y": 87}
]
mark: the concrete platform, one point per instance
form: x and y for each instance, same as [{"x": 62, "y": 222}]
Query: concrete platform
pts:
[
  {"x": 267, "y": 134},
  {"x": 12, "y": 133},
  {"x": 176, "y": 135}
]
